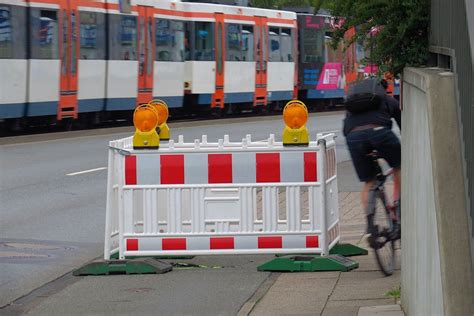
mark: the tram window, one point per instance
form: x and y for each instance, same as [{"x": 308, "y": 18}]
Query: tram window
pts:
[
  {"x": 286, "y": 45},
  {"x": 12, "y": 32},
  {"x": 247, "y": 43},
  {"x": 169, "y": 40},
  {"x": 332, "y": 55},
  {"x": 274, "y": 44},
  {"x": 44, "y": 34},
  {"x": 122, "y": 37},
  {"x": 313, "y": 45},
  {"x": 234, "y": 42},
  {"x": 361, "y": 52},
  {"x": 203, "y": 41},
  {"x": 92, "y": 33}
]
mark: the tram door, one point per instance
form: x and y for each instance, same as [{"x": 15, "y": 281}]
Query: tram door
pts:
[
  {"x": 218, "y": 97},
  {"x": 261, "y": 58},
  {"x": 146, "y": 54},
  {"x": 69, "y": 52}
]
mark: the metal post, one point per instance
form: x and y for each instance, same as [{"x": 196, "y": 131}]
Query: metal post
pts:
[
  {"x": 108, "y": 215},
  {"x": 121, "y": 183},
  {"x": 322, "y": 173}
]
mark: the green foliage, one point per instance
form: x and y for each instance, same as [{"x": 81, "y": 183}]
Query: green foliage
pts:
[
  {"x": 278, "y": 4},
  {"x": 268, "y": 4},
  {"x": 402, "y": 39},
  {"x": 395, "y": 293}
]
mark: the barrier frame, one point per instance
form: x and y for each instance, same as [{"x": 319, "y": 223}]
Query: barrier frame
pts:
[{"x": 120, "y": 221}]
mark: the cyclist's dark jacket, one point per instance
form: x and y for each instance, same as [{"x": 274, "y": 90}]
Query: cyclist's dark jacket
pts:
[{"x": 382, "y": 117}]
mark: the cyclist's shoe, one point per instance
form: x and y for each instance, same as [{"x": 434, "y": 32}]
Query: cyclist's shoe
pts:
[
  {"x": 396, "y": 232},
  {"x": 372, "y": 236}
]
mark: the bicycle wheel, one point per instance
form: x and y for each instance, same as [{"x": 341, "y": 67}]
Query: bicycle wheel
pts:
[{"x": 380, "y": 239}]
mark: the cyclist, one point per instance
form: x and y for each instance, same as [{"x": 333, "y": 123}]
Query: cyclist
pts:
[{"x": 372, "y": 130}]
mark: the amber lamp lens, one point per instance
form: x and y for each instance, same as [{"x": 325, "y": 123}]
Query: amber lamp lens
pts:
[
  {"x": 145, "y": 119},
  {"x": 162, "y": 111},
  {"x": 295, "y": 116}
]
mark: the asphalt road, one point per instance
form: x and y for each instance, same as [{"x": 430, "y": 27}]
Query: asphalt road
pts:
[{"x": 52, "y": 210}]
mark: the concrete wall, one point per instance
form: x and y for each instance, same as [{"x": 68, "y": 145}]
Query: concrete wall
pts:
[{"x": 436, "y": 256}]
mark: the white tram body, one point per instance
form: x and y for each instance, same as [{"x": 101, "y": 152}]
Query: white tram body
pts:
[
  {"x": 241, "y": 62},
  {"x": 82, "y": 57},
  {"x": 13, "y": 60}
]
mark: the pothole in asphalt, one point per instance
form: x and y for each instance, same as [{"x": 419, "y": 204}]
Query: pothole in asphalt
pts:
[
  {"x": 140, "y": 290},
  {"x": 33, "y": 246},
  {"x": 21, "y": 255},
  {"x": 18, "y": 245}
]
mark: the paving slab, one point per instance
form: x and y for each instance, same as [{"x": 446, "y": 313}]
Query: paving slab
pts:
[
  {"x": 360, "y": 285},
  {"x": 383, "y": 310},
  {"x": 352, "y": 307},
  {"x": 302, "y": 301},
  {"x": 302, "y": 293}
]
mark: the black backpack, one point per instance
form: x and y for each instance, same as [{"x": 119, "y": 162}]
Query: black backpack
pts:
[{"x": 365, "y": 95}]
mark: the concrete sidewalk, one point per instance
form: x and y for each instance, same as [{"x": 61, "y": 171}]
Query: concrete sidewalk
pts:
[{"x": 333, "y": 293}]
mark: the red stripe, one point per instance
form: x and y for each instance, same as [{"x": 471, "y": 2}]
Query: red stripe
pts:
[
  {"x": 222, "y": 243},
  {"x": 310, "y": 170},
  {"x": 131, "y": 170},
  {"x": 312, "y": 241},
  {"x": 220, "y": 168},
  {"x": 172, "y": 169},
  {"x": 132, "y": 244},
  {"x": 173, "y": 244},
  {"x": 270, "y": 242},
  {"x": 268, "y": 167}
]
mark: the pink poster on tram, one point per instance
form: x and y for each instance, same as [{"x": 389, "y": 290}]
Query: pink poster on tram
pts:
[
  {"x": 370, "y": 69},
  {"x": 331, "y": 77}
]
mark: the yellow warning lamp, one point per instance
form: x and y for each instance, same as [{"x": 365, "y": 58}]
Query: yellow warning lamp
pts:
[
  {"x": 145, "y": 119},
  {"x": 162, "y": 109},
  {"x": 295, "y": 115}
]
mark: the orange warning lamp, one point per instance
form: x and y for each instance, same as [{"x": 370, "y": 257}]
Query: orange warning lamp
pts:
[
  {"x": 162, "y": 109},
  {"x": 145, "y": 119},
  {"x": 295, "y": 116}
]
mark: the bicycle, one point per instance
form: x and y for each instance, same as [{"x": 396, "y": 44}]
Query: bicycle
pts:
[{"x": 383, "y": 227}]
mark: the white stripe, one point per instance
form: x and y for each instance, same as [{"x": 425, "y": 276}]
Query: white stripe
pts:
[
  {"x": 292, "y": 166},
  {"x": 291, "y": 242},
  {"x": 148, "y": 169},
  {"x": 86, "y": 171},
  {"x": 289, "y": 25},
  {"x": 196, "y": 169},
  {"x": 44, "y": 5},
  {"x": 244, "y": 168},
  {"x": 91, "y": 9},
  {"x": 169, "y": 17},
  {"x": 239, "y": 21}
]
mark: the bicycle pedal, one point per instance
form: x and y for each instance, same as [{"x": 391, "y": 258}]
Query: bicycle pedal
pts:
[{"x": 372, "y": 242}]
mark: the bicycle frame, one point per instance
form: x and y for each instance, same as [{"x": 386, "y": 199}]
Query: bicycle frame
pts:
[{"x": 378, "y": 191}]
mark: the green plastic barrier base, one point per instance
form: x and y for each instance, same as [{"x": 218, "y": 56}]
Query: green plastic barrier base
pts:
[
  {"x": 348, "y": 250},
  {"x": 135, "y": 266},
  {"x": 116, "y": 256},
  {"x": 309, "y": 263}
]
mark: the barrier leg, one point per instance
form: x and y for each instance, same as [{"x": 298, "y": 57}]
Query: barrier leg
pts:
[
  {"x": 347, "y": 250},
  {"x": 136, "y": 266},
  {"x": 309, "y": 263}
]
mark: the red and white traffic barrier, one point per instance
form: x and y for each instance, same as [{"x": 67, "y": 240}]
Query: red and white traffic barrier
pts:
[{"x": 226, "y": 197}]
